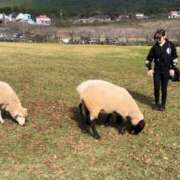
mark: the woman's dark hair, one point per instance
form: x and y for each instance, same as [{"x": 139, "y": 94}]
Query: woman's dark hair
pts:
[{"x": 159, "y": 33}]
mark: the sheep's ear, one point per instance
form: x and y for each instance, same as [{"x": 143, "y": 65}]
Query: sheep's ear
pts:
[{"x": 25, "y": 111}]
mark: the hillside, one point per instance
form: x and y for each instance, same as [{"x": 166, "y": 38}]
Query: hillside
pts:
[{"x": 79, "y": 7}]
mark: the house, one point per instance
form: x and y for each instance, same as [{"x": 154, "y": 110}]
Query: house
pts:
[
  {"x": 174, "y": 15},
  {"x": 66, "y": 40},
  {"x": 81, "y": 21},
  {"x": 2, "y": 18},
  {"x": 25, "y": 18},
  {"x": 12, "y": 17},
  {"x": 94, "y": 19},
  {"x": 84, "y": 20},
  {"x": 43, "y": 20},
  {"x": 140, "y": 16},
  {"x": 122, "y": 17}
]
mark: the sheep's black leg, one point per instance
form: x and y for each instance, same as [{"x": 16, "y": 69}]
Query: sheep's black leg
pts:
[
  {"x": 121, "y": 124},
  {"x": 122, "y": 128},
  {"x": 80, "y": 108},
  {"x": 107, "y": 119},
  {"x": 87, "y": 122},
  {"x": 95, "y": 133},
  {"x": 85, "y": 117}
]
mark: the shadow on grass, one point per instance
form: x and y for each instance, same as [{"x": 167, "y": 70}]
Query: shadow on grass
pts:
[{"x": 147, "y": 100}]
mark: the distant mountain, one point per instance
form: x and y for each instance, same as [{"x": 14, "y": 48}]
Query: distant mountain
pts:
[{"x": 89, "y": 7}]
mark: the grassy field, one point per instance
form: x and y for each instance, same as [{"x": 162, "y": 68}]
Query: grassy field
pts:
[{"x": 52, "y": 146}]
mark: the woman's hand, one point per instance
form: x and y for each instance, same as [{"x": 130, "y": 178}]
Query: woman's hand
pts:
[
  {"x": 150, "y": 73},
  {"x": 171, "y": 72}
]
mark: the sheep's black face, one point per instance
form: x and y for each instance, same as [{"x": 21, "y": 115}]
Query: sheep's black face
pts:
[
  {"x": 139, "y": 127},
  {"x": 135, "y": 129}
]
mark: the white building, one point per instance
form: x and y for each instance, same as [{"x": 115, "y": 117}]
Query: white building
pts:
[
  {"x": 174, "y": 15},
  {"x": 43, "y": 20},
  {"x": 12, "y": 17},
  {"x": 66, "y": 40},
  {"x": 4, "y": 18},
  {"x": 25, "y": 18},
  {"x": 140, "y": 16}
]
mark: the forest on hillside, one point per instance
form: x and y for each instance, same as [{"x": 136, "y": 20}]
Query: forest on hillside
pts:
[{"x": 64, "y": 8}]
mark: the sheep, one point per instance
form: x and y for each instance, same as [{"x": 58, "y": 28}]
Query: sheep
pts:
[
  {"x": 10, "y": 102},
  {"x": 97, "y": 96}
]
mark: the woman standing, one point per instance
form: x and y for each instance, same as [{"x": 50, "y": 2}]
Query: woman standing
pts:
[{"x": 163, "y": 54}]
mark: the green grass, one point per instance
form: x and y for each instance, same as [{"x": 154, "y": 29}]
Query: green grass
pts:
[{"x": 52, "y": 146}]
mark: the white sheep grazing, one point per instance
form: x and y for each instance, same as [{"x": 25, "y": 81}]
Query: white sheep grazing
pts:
[
  {"x": 98, "y": 96},
  {"x": 11, "y": 103}
]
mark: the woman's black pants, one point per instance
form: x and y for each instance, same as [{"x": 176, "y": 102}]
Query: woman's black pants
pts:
[{"x": 161, "y": 82}]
